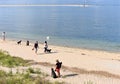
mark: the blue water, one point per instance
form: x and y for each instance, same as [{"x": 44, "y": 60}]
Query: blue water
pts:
[{"x": 94, "y": 27}]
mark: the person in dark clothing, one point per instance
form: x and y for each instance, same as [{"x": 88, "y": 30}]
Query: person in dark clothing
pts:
[
  {"x": 58, "y": 67},
  {"x": 45, "y": 46},
  {"x": 36, "y": 46},
  {"x": 27, "y": 43},
  {"x": 53, "y": 74}
]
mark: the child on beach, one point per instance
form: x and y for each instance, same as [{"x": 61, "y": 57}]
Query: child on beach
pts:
[
  {"x": 36, "y": 46},
  {"x": 58, "y": 67}
]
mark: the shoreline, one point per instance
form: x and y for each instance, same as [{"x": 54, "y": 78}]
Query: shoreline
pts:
[{"x": 89, "y": 49}]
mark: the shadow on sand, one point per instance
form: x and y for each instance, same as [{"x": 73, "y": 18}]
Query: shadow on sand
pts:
[
  {"x": 69, "y": 75},
  {"x": 46, "y": 53}
]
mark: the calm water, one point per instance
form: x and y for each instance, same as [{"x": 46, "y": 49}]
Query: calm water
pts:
[{"x": 92, "y": 27}]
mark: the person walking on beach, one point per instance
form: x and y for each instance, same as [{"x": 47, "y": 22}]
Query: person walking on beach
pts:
[
  {"x": 36, "y": 46},
  {"x": 45, "y": 46},
  {"x": 58, "y": 67},
  {"x": 3, "y": 36}
]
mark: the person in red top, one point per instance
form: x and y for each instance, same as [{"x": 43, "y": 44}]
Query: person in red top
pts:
[{"x": 58, "y": 66}]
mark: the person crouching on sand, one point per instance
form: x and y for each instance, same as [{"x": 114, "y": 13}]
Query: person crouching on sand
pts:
[{"x": 58, "y": 67}]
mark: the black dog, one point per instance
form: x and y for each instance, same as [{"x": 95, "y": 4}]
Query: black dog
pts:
[
  {"x": 48, "y": 50},
  {"x": 19, "y": 42},
  {"x": 53, "y": 74}
]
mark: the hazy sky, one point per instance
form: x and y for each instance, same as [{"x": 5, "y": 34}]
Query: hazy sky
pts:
[{"x": 59, "y": 1}]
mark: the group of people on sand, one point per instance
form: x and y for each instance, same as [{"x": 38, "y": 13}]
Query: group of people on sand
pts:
[
  {"x": 35, "y": 47},
  {"x": 58, "y": 64}
]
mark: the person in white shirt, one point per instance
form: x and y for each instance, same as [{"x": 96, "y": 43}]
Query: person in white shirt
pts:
[{"x": 45, "y": 46}]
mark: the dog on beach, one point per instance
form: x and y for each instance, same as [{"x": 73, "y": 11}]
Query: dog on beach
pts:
[
  {"x": 19, "y": 42},
  {"x": 48, "y": 50},
  {"x": 53, "y": 74}
]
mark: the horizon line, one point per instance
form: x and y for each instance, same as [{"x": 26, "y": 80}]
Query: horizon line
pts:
[{"x": 69, "y": 5}]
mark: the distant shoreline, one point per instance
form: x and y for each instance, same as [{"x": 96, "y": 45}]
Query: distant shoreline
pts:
[
  {"x": 74, "y": 47},
  {"x": 67, "y": 5},
  {"x": 60, "y": 45}
]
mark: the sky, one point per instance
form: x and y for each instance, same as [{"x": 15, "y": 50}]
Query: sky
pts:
[{"x": 59, "y": 1}]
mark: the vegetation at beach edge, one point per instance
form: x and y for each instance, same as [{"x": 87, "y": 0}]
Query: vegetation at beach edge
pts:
[
  {"x": 24, "y": 78},
  {"x": 29, "y": 76},
  {"x": 11, "y": 61}
]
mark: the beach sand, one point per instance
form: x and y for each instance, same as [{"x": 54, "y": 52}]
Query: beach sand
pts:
[{"x": 79, "y": 65}]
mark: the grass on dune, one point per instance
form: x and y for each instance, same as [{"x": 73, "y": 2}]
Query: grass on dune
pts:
[
  {"x": 26, "y": 77},
  {"x": 10, "y": 61}
]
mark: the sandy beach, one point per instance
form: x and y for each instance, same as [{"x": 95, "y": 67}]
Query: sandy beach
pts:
[{"x": 79, "y": 65}]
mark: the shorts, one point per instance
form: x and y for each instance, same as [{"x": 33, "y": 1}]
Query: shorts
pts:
[{"x": 58, "y": 70}]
